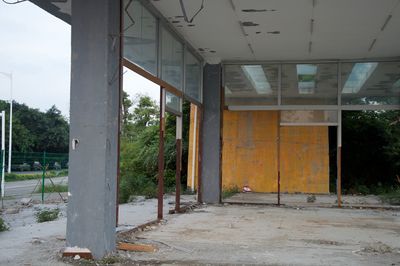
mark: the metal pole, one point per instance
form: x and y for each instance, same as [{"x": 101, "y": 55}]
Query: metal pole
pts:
[
  {"x": 161, "y": 155},
  {"x": 3, "y": 155},
  {"x": 9, "y": 75},
  {"x": 178, "y": 163},
  {"x": 43, "y": 174},
  {"x": 194, "y": 147},
  {"x": 339, "y": 160},
  {"x": 279, "y": 156},
  {"x": 10, "y": 133}
]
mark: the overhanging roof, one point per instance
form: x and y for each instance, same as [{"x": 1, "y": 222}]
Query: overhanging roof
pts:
[
  {"x": 278, "y": 29},
  {"x": 59, "y": 8}
]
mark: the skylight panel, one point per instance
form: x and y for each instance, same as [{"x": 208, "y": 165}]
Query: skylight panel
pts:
[
  {"x": 306, "y": 75},
  {"x": 358, "y": 76},
  {"x": 255, "y": 74}
]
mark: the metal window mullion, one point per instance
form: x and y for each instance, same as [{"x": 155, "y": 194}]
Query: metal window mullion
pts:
[
  {"x": 280, "y": 85},
  {"x": 159, "y": 48}
]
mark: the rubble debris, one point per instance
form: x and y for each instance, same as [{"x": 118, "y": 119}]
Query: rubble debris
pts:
[
  {"x": 75, "y": 251},
  {"x": 311, "y": 198}
]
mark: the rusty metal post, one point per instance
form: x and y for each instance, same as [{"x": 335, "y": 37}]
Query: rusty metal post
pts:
[
  {"x": 278, "y": 146},
  {"x": 161, "y": 155},
  {"x": 178, "y": 163},
  {"x": 339, "y": 160},
  {"x": 200, "y": 156}
]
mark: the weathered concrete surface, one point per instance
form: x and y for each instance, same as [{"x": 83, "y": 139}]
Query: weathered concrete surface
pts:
[
  {"x": 211, "y": 134},
  {"x": 31, "y": 243},
  {"x": 260, "y": 235},
  {"x": 300, "y": 200},
  {"x": 94, "y": 125}
]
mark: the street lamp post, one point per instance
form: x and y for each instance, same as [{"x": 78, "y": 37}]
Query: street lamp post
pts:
[{"x": 9, "y": 75}]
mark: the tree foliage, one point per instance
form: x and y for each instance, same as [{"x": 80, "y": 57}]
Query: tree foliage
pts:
[
  {"x": 140, "y": 145},
  {"x": 34, "y": 130},
  {"x": 371, "y": 150}
]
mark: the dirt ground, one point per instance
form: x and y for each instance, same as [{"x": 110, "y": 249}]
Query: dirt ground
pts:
[{"x": 225, "y": 234}]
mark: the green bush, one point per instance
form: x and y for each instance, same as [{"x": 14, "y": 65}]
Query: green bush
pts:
[
  {"x": 20, "y": 177},
  {"x": 51, "y": 188},
  {"x": 3, "y": 225},
  {"x": 46, "y": 215}
]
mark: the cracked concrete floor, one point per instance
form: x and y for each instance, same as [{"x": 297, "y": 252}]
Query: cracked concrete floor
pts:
[{"x": 233, "y": 234}]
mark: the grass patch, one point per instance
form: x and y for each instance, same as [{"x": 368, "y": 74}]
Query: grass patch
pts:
[
  {"x": 20, "y": 177},
  {"x": 50, "y": 188},
  {"x": 3, "y": 225},
  {"x": 230, "y": 191},
  {"x": 46, "y": 215},
  {"x": 392, "y": 198}
]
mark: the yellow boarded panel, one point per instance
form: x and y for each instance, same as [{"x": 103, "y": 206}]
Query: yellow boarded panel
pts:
[
  {"x": 304, "y": 159},
  {"x": 249, "y": 154},
  {"x": 193, "y": 148}
]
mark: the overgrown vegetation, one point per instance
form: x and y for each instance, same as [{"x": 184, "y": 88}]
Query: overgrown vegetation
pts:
[
  {"x": 370, "y": 153},
  {"x": 47, "y": 215},
  {"x": 19, "y": 177},
  {"x": 50, "y": 188},
  {"x": 3, "y": 225},
  {"x": 139, "y": 148}
]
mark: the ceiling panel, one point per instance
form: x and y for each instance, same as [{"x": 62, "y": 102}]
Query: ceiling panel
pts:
[{"x": 281, "y": 30}]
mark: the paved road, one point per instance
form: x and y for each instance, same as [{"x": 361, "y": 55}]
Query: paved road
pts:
[{"x": 20, "y": 189}]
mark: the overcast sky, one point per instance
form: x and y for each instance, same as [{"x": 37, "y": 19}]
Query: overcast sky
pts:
[{"x": 36, "y": 48}]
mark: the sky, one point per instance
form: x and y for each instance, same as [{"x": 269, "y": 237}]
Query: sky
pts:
[{"x": 36, "y": 48}]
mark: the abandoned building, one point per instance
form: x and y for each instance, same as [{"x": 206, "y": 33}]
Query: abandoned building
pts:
[{"x": 266, "y": 79}]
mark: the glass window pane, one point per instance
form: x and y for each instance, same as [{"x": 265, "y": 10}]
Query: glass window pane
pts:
[
  {"x": 140, "y": 36},
  {"x": 309, "y": 117},
  {"x": 171, "y": 59},
  {"x": 304, "y": 84},
  {"x": 173, "y": 102},
  {"x": 371, "y": 83},
  {"x": 192, "y": 75},
  {"x": 251, "y": 84}
]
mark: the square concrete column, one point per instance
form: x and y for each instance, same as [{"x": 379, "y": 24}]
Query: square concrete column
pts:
[
  {"x": 211, "y": 134},
  {"x": 94, "y": 125}
]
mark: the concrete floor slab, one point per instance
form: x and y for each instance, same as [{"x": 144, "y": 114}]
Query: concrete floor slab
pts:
[
  {"x": 276, "y": 236},
  {"x": 300, "y": 200}
]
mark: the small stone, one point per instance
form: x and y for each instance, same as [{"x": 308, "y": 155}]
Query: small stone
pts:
[
  {"x": 12, "y": 211},
  {"x": 77, "y": 257},
  {"x": 37, "y": 241},
  {"x": 311, "y": 199},
  {"x": 26, "y": 201}
]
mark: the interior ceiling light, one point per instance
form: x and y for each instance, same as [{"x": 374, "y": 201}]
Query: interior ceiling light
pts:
[
  {"x": 358, "y": 76},
  {"x": 306, "y": 75},
  {"x": 255, "y": 74}
]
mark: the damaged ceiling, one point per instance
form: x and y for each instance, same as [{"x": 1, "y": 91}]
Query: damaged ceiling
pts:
[{"x": 287, "y": 29}]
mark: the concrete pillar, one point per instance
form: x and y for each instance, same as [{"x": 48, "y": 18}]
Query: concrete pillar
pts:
[
  {"x": 94, "y": 125},
  {"x": 211, "y": 134}
]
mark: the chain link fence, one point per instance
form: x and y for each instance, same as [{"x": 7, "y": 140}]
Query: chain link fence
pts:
[{"x": 38, "y": 175}]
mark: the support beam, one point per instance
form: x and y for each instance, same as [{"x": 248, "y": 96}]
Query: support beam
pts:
[
  {"x": 161, "y": 156},
  {"x": 94, "y": 121},
  {"x": 178, "y": 164},
  {"x": 339, "y": 160},
  {"x": 211, "y": 135}
]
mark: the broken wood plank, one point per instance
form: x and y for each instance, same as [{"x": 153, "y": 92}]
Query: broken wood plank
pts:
[
  {"x": 73, "y": 251},
  {"x": 136, "y": 247}
]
